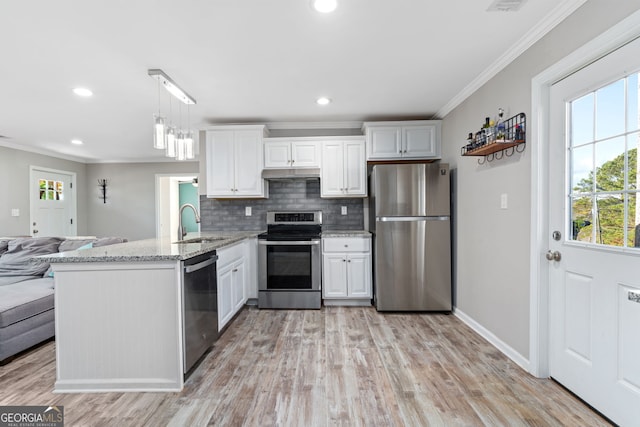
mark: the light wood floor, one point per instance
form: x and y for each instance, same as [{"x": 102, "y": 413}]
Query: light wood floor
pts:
[{"x": 338, "y": 366}]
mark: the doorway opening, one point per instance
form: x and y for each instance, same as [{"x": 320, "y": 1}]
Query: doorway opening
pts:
[{"x": 173, "y": 191}]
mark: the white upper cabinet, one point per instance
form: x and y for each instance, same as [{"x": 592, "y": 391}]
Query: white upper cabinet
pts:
[
  {"x": 344, "y": 169},
  {"x": 403, "y": 140},
  {"x": 234, "y": 162},
  {"x": 282, "y": 153}
]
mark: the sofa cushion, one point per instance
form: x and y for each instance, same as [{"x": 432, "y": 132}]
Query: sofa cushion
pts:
[
  {"x": 4, "y": 245},
  {"x": 9, "y": 280},
  {"x": 16, "y": 261},
  {"x": 105, "y": 241},
  {"x": 22, "y": 300},
  {"x": 73, "y": 244}
]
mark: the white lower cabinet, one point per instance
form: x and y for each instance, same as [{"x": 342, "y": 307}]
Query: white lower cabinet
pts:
[
  {"x": 231, "y": 282},
  {"x": 346, "y": 268}
]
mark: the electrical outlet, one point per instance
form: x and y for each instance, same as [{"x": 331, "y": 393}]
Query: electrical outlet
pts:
[
  {"x": 15, "y": 212},
  {"x": 504, "y": 201},
  {"x": 343, "y": 211},
  {"x": 247, "y": 211}
]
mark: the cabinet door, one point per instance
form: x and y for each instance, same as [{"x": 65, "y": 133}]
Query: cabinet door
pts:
[
  {"x": 248, "y": 163},
  {"x": 305, "y": 154},
  {"x": 237, "y": 292},
  {"x": 359, "y": 275},
  {"x": 384, "y": 142},
  {"x": 334, "y": 277},
  {"x": 220, "y": 163},
  {"x": 225, "y": 307},
  {"x": 277, "y": 155},
  {"x": 355, "y": 168},
  {"x": 331, "y": 182},
  {"x": 419, "y": 141}
]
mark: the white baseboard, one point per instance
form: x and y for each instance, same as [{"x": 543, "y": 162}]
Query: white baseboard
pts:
[{"x": 512, "y": 354}]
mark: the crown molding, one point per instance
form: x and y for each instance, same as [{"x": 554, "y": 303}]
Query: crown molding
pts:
[
  {"x": 314, "y": 125},
  {"x": 546, "y": 24},
  {"x": 42, "y": 151}
]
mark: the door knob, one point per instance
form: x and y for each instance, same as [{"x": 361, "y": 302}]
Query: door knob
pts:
[{"x": 553, "y": 256}]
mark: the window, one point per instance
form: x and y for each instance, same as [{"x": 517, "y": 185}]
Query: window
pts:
[
  {"x": 603, "y": 148},
  {"x": 51, "y": 190}
]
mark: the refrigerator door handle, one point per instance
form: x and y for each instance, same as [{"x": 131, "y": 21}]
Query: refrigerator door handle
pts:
[{"x": 410, "y": 218}]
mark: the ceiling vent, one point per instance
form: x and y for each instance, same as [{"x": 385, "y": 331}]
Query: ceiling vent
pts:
[{"x": 506, "y": 5}]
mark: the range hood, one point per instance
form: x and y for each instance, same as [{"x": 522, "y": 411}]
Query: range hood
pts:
[{"x": 291, "y": 173}]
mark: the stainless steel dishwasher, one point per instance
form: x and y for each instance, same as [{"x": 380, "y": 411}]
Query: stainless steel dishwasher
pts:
[{"x": 200, "y": 307}]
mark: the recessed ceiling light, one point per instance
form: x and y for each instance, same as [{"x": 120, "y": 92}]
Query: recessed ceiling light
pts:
[
  {"x": 77, "y": 142},
  {"x": 82, "y": 91},
  {"x": 325, "y": 6},
  {"x": 323, "y": 100},
  {"x": 506, "y": 5}
]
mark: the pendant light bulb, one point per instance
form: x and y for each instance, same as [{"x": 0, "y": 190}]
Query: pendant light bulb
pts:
[
  {"x": 171, "y": 142},
  {"x": 180, "y": 146},
  {"x": 159, "y": 133},
  {"x": 189, "y": 145}
]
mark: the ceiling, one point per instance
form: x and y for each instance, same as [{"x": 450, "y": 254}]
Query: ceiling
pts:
[{"x": 244, "y": 61}]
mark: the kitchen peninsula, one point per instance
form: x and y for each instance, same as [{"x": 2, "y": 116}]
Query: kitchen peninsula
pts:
[{"x": 120, "y": 310}]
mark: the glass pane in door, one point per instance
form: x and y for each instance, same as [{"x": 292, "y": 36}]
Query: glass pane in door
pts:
[{"x": 602, "y": 149}]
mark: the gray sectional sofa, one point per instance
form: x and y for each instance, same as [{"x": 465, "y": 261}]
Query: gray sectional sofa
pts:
[{"x": 27, "y": 289}]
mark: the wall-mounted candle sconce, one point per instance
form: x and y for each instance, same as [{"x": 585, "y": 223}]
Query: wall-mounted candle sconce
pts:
[{"x": 102, "y": 183}]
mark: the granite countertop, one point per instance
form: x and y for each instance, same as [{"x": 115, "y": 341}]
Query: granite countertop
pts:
[
  {"x": 160, "y": 249},
  {"x": 346, "y": 233}
]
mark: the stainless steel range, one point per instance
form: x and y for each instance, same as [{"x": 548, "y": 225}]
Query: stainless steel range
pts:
[{"x": 289, "y": 261}]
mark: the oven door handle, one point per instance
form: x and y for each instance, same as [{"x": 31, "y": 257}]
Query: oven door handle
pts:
[{"x": 286, "y": 243}]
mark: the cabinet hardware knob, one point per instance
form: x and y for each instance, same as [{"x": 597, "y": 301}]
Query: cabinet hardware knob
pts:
[
  {"x": 349, "y": 261},
  {"x": 234, "y": 270},
  {"x": 344, "y": 260}
]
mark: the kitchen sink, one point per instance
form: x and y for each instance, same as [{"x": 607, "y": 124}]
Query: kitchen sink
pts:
[{"x": 201, "y": 240}]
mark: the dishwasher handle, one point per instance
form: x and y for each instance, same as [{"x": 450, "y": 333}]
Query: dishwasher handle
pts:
[{"x": 200, "y": 265}]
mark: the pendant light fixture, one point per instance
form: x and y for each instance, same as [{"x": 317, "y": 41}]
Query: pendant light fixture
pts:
[
  {"x": 177, "y": 143},
  {"x": 159, "y": 135},
  {"x": 170, "y": 150},
  {"x": 188, "y": 139}
]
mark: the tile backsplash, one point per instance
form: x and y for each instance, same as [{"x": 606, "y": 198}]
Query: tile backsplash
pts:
[{"x": 284, "y": 195}]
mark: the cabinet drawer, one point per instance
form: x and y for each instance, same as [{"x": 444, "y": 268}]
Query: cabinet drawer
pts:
[
  {"x": 346, "y": 244},
  {"x": 230, "y": 254}
]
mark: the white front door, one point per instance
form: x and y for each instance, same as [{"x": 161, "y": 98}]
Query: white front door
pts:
[
  {"x": 594, "y": 276},
  {"x": 52, "y": 199}
]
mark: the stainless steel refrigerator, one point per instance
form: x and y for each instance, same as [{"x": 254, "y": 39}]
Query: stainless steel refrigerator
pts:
[{"x": 410, "y": 222}]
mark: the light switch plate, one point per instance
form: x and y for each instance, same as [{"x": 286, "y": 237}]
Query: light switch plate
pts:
[
  {"x": 247, "y": 211},
  {"x": 343, "y": 211},
  {"x": 15, "y": 212},
  {"x": 504, "y": 201}
]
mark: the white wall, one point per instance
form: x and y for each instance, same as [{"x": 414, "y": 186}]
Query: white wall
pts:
[
  {"x": 14, "y": 188},
  {"x": 130, "y": 210},
  {"x": 492, "y": 244}
]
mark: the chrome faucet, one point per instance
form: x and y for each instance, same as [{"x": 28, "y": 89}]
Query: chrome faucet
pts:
[{"x": 183, "y": 231}]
